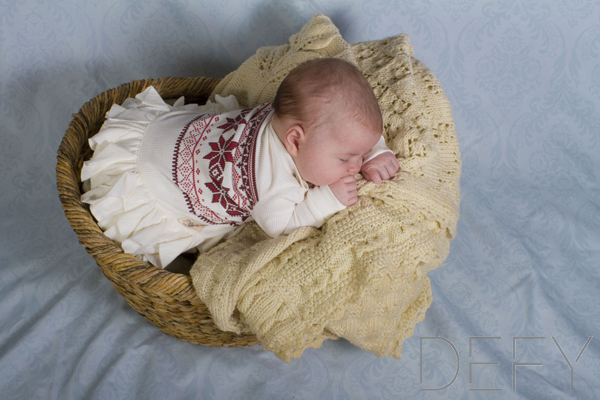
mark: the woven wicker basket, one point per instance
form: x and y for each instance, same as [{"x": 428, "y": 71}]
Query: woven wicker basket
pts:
[{"x": 166, "y": 299}]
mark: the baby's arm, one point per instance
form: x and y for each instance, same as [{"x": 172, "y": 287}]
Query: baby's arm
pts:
[
  {"x": 284, "y": 210},
  {"x": 380, "y": 163}
]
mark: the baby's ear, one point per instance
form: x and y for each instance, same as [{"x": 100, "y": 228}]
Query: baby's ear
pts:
[{"x": 294, "y": 137}]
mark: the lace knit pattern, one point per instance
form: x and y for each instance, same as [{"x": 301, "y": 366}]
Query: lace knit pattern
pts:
[{"x": 363, "y": 275}]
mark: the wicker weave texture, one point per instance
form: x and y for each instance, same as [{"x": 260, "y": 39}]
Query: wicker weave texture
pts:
[{"x": 166, "y": 299}]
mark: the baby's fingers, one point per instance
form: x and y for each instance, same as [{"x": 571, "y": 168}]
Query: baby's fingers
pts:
[
  {"x": 352, "y": 196},
  {"x": 389, "y": 169},
  {"x": 374, "y": 175},
  {"x": 349, "y": 180},
  {"x": 393, "y": 166},
  {"x": 387, "y": 172}
]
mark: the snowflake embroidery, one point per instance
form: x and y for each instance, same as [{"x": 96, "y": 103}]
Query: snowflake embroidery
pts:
[
  {"x": 221, "y": 152},
  {"x": 219, "y": 192},
  {"x": 213, "y": 196},
  {"x": 221, "y": 196},
  {"x": 233, "y": 123}
]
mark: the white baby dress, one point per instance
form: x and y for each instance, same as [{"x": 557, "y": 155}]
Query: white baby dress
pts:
[{"x": 166, "y": 179}]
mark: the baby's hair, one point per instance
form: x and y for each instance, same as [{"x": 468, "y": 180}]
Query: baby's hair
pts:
[{"x": 330, "y": 80}]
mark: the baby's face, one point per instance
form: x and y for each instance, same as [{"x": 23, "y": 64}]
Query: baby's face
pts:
[{"x": 327, "y": 156}]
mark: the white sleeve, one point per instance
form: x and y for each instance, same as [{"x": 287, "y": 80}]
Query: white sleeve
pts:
[
  {"x": 286, "y": 209},
  {"x": 378, "y": 149},
  {"x": 318, "y": 205}
]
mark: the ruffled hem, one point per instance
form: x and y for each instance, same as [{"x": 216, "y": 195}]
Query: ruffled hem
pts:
[{"x": 118, "y": 198}]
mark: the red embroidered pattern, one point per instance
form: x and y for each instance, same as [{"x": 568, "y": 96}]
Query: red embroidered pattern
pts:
[
  {"x": 220, "y": 154},
  {"x": 243, "y": 175},
  {"x": 189, "y": 143},
  {"x": 218, "y": 181}
]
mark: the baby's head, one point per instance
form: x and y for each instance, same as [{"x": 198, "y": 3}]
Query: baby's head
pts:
[{"x": 327, "y": 117}]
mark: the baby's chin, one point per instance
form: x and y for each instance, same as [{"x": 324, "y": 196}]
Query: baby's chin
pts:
[{"x": 319, "y": 183}]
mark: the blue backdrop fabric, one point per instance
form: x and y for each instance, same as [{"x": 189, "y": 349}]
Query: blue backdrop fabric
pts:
[{"x": 519, "y": 291}]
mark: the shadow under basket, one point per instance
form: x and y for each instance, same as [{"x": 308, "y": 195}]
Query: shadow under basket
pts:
[{"x": 167, "y": 299}]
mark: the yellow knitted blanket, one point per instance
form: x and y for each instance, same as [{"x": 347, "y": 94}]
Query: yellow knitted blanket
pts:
[{"x": 363, "y": 275}]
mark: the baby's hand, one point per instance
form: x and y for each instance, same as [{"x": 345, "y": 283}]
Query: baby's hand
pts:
[
  {"x": 380, "y": 168},
  {"x": 345, "y": 190}
]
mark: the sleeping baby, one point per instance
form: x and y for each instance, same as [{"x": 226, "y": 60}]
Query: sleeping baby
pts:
[{"x": 167, "y": 179}]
